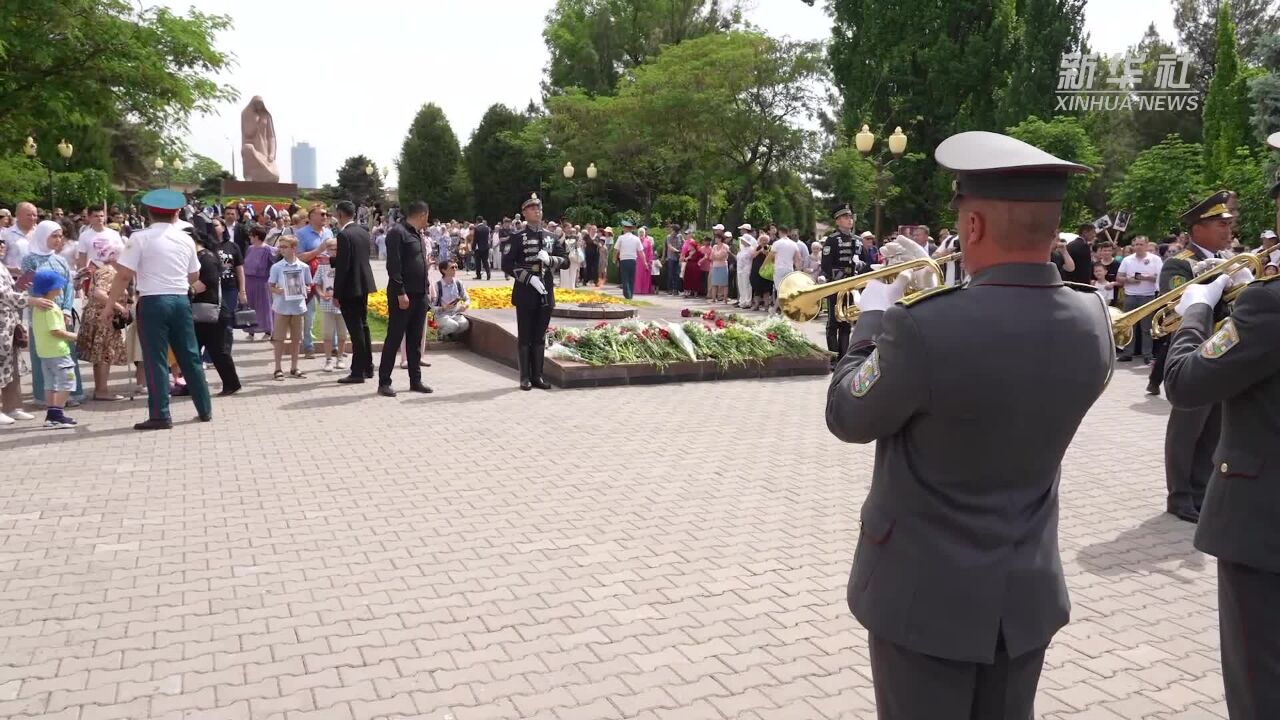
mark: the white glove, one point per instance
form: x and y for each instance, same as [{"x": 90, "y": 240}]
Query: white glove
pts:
[
  {"x": 535, "y": 282},
  {"x": 1206, "y": 293},
  {"x": 543, "y": 257},
  {"x": 1206, "y": 265},
  {"x": 879, "y": 295},
  {"x": 901, "y": 250}
]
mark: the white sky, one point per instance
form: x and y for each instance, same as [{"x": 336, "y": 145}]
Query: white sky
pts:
[{"x": 368, "y": 66}]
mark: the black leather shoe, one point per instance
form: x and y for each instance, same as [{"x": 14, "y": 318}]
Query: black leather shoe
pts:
[
  {"x": 420, "y": 388},
  {"x": 368, "y": 374},
  {"x": 386, "y": 391},
  {"x": 227, "y": 392},
  {"x": 154, "y": 424},
  {"x": 1188, "y": 514},
  {"x": 205, "y": 418},
  {"x": 1124, "y": 358},
  {"x": 541, "y": 384},
  {"x": 351, "y": 380},
  {"x": 1153, "y": 389},
  {"x": 526, "y": 385}
]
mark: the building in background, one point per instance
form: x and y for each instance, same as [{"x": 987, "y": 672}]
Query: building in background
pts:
[{"x": 304, "y": 165}]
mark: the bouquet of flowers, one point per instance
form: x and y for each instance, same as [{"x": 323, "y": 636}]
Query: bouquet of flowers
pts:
[{"x": 726, "y": 341}]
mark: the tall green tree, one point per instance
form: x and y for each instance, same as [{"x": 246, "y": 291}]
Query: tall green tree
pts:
[
  {"x": 358, "y": 185},
  {"x": 1198, "y": 29},
  {"x": 1161, "y": 183},
  {"x": 1264, "y": 90},
  {"x": 593, "y": 42},
  {"x": 195, "y": 170},
  {"x": 1246, "y": 176},
  {"x": 429, "y": 160},
  {"x": 1226, "y": 107},
  {"x": 950, "y": 73},
  {"x": 498, "y": 164},
  {"x": 80, "y": 63},
  {"x": 1065, "y": 138},
  {"x": 1044, "y": 31}
]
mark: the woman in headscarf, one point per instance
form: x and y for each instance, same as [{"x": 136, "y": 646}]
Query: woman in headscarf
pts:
[
  {"x": 47, "y": 242},
  {"x": 102, "y": 344}
]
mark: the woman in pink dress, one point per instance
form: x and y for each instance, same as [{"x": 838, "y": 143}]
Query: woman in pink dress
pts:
[{"x": 644, "y": 268}]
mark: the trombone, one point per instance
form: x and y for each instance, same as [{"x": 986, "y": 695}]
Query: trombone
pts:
[
  {"x": 1161, "y": 308},
  {"x": 800, "y": 297}
]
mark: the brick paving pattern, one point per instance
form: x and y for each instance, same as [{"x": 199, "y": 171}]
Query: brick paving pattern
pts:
[{"x": 643, "y": 552}]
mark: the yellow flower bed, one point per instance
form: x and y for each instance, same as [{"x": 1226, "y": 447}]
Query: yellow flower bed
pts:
[{"x": 499, "y": 298}]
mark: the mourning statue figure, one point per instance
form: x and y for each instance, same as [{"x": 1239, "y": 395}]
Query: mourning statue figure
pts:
[{"x": 258, "y": 142}]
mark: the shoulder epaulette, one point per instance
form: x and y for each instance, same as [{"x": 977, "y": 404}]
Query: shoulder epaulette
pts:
[
  {"x": 1080, "y": 287},
  {"x": 916, "y": 298}
]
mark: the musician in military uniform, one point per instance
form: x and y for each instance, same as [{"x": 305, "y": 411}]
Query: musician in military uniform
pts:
[
  {"x": 1192, "y": 432},
  {"x": 532, "y": 256},
  {"x": 1236, "y": 370},
  {"x": 842, "y": 257},
  {"x": 957, "y": 575}
]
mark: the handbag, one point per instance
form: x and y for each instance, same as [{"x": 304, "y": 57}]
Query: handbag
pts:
[
  {"x": 20, "y": 337},
  {"x": 205, "y": 312},
  {"x": 655, "y": 268},
  {"x": 246, "y": 317},
  {"x": 766, "y": 270}
]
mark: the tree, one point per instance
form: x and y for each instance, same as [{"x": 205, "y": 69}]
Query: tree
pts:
[
  {"x": 1064, "y": 137},
  {"x": 950, "y": 73},
  {"x": 593, "y": 42},
  {"x": 21, "y": 179},
  {"x": 429, "y": 160},
  {"x": 1226, "y": 107},
  {"x": 1162, "y": 182},
  {"x": 499, "y": 166},
  {"x": 1264, "y": 90},
  {"x": 211, "y": 186},
  {"x": 80, "y": 63},
  {"x": 196, "y": 170},
  {"x": 1045, "y": 30},
  {"x": 358, "y": 185},
  {"x": 1197, "y": 25},
  {"x": 1245, "y": 175}
]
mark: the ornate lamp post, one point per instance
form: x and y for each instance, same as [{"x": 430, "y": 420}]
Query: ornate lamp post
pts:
[
  {"x": 569, "y": 172},
  {"x": 65, "y": 149},
  {"x": 865, "y": 141}
]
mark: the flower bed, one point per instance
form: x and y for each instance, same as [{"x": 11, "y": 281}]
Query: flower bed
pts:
[
  {"x": 499, "y": 298},
  {"x": 725, "y": 340}
]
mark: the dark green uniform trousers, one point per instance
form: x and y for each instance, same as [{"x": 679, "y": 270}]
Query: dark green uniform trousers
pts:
[{"x": 164, "y": 321}]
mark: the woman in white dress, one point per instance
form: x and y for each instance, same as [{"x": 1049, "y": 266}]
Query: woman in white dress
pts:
[{"x": 569, "y": 275}]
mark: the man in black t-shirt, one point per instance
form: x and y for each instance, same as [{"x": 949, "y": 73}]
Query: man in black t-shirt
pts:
[
  {"x": 1081, "y": 250},
  {"x": 232, "y": 280}
]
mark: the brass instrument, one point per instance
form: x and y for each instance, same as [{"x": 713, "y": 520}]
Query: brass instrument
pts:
[
  {"x": 1166, "y": 322},
  {"x": 1123, "y": 323},
  {"x": 800, "y": 297}
]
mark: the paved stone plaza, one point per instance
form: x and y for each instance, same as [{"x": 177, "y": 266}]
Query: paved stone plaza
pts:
[{"x": 671, "y": 551}]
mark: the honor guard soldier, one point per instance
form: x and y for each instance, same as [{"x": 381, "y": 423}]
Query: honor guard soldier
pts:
[
  {"x": 957, "y": 575},
  {"x": 532, "y": 257},
  {"x": 1192, "y": 432},
  {"x": 1235, "y": 371},
  {"x": 842, "y": 257}
]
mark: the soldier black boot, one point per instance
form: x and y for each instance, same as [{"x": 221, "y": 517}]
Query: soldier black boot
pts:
[
  {"x": 522, "y": 357},
  {"x": 535, "y": 375}
]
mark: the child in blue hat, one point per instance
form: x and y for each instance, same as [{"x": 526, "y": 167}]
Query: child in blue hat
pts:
[{"x": 53, "y": 347}]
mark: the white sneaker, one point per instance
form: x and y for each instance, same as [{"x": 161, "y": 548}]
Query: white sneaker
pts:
[
  {"x": 341, "y": 364},
  {"x": 328, "y": 365},
  {"x": 21, "y": 415},
  {"x": 6, "y": 420}
]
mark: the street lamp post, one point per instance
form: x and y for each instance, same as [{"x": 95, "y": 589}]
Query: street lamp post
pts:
[
  {"x": 569, "y": 172},
  {"x": 865, "y": 142},
  {"x": 65, "y": 149}
]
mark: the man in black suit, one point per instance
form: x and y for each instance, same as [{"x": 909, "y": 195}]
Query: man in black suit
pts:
[
  {"x": 237, "y": 231},
  {"x": 480, "y": 243},
  {"x": 406, "y": 297},
  {"x": 1081, "y": 252},
  {"x": 352, "y": 283}
]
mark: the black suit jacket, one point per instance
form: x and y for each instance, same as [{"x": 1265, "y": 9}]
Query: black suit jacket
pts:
[
  {"x": 406, "y": 261},
  {"x": 352, "y": 275}
]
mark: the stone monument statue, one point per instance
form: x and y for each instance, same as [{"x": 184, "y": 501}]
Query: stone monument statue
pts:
[{"x": 258, "y": 142}]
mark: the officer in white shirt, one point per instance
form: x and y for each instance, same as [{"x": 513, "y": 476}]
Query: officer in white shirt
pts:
[
  {"x": 626, "y": 253},
  {"x": 162, "y": 260},
  {"x": 97, "y": 230},
  {"x": 1138, "y": 274}
]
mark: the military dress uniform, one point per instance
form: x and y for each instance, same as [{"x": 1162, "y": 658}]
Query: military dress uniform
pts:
[
  {"x": 1236, "y": 369},
  {"x": 842, "y": 257},
  {"x": 1192, "y": 432},
  {"x": 957, "y": 575},
  {"x": 533, "y": 293}
]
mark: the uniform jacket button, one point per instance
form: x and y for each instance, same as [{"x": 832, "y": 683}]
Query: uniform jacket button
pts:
[{"x": 1224, "y": 468}]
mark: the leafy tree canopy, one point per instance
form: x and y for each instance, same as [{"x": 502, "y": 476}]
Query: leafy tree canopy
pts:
[
  {"x": 1065, "y": 138},
  {"x": 1161, "y": 183},
  {"x": 357, "y": 184},
  {"x": 1197, "y": 25},
  {"x": 429, "y": 161}
]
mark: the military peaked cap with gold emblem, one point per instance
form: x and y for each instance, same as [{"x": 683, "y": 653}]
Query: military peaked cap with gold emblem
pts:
[
  {"x": 533, "y": 200},
  {"x": 1212, "y": 207},
  {"x": 997, "y": 167},
  {"x": 842, "y": 211}
]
